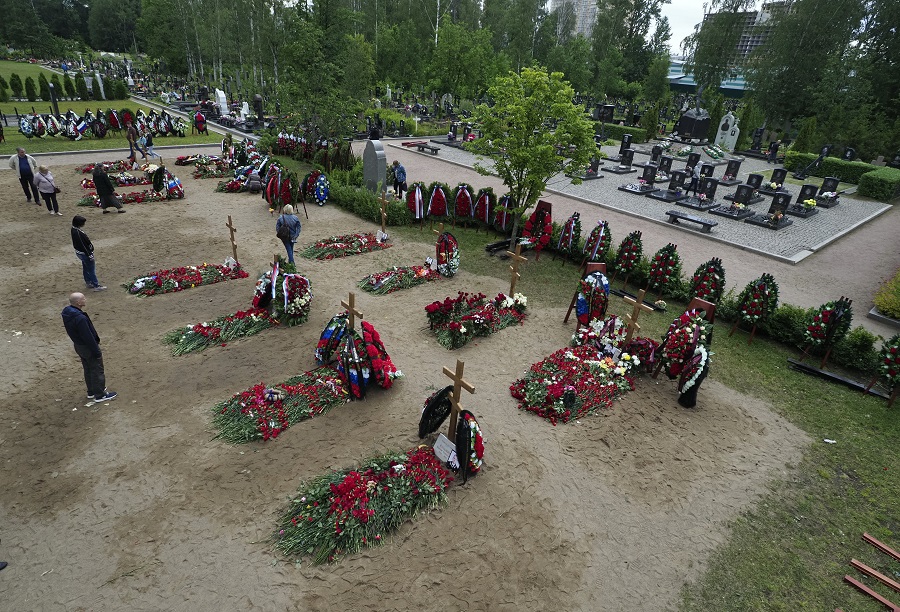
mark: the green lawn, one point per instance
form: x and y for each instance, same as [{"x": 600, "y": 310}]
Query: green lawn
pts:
[
  {"x": 790, "y": 551},
  {"x": 24, "y": 70}
]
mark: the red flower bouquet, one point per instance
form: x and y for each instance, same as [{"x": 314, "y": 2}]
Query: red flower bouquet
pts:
[
  {"x": 455, "y": 321},
  {"x": 344, "y": 245},
  {"x": 185, "y": 277},
  {"x": 890, "y": 361},
  {"x": 219, "y": 331},
  {"x": 382, "y": 283},
  {"x": 484, "y": 206},
  {"x": 598, "y": 242},
  {"x": 664, "y": 266},
  {"x": 538, "y": 230},
  {"x": 383, "y": 369},
  {"x": 758, "y": 299},
  {"x": 437, "y": 201},
  {"x": 829, "y": 323},
  {"x": 464, "y": 206}
]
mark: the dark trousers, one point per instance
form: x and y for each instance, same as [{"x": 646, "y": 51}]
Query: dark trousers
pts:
[
  {"x": 50, "y": 201},
  {"x": 398, "y": 188},
  {"x": 28, "y": 187},
  {"x": 692, "y": 186},
  {"x": 108, "y": 200},
  {"x": 94, "y": 377}
]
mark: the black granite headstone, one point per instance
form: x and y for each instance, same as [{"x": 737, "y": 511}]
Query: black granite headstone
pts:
[
  {"x": 665, "y": 164},
  {"x": 830, "y": 184},
  {"x": 755, "y": 181},
  {"x": 706, "y": 170},
  {"x": 807, "y": 192}
]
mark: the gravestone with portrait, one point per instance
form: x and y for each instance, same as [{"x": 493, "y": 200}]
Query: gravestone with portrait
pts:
[
  {"x": 805, "y": 205},
  {"x": 730, "y": 178},
  {"x": 706, "y": 198},
  {"x": 655, "y": 155},
  {"x": 624, "y": 166},
  {"x": 754, "y": 182},
  {"x": 644, "y": 185},
  {"x": 591, "y": 172},
  {"x": 775, "y": 218},
  {"x": 739, "y": 208},
  {"x": 775, "y": 184},
  {"x": 674, "y": 192},
  {"x": 625, "y": 145},
  {"x": 706, "y": 170},
  {"x": 692, "y": 160},
  {"x": 665, "y": 166},
  {"x": 728, "y": 133},
  {"x": 827, "y": 196}
]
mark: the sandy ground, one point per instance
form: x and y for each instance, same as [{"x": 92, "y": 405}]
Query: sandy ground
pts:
[{"x": 132, "y": 506}]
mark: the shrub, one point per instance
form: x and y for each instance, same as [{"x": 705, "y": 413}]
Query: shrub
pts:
[
  {"x": 69, "y": 87},
  {"x": 788, "y": 324},
  {"x": 15, "y": 84},
  {"x": 882, "y": 184},
  {"x": 847, "y": 172},
  {"x": 364, "y": 203},
  {"x": 81, "y": 87},
  {"x": 4, "y": 92},
  {"x": 118, "y": 90},
  {"x": 857, "y": 350},
  {"x": 57, "y": 86},
  {"x": 30, "y": 90},
  {"x": 617, "y": 131},
  {"x": 44, "y": 87},
  {"x": 887, "y": 300}
]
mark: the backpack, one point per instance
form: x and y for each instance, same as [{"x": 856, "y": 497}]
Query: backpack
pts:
[{"x": 284, "y": 232}]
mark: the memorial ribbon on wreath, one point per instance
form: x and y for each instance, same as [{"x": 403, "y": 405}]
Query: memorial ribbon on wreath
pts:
[{"x": 274, "y": 279}]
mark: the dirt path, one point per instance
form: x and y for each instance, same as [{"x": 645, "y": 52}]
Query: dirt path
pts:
[{"x": 132, "y": 506}]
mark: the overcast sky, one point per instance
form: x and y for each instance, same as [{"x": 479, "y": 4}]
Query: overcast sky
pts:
[{"x": 683, "y": 16}]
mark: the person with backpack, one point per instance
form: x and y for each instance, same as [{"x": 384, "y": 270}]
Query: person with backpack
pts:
[
  {"x": 399, "y": 179},
  {"x": 287, "y": 229}
]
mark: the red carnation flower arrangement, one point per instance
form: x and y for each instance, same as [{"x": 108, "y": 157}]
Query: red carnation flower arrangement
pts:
[
  {"x": 664, "y": 266},
  {"x": 708, "y": 282},
  {"x": 629, "y": 254},
  {"x": 598, "y": 242},
  {"x": 829, "y": 323},
  {"x": 538, "y": 230},
  {"x": 890, "y": 361},
  {"x": 758, "y": 299}
]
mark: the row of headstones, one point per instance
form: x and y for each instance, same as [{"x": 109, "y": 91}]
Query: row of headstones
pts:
[{"x": 662, "y": 164}]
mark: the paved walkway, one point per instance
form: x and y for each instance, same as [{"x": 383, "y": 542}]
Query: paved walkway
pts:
[{"x": 855, "y": 265}]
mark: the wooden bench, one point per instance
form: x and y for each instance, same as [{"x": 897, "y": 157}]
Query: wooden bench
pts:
[
  {"x": 675, "y": 216},
  {"x": 422, "y": 146}
]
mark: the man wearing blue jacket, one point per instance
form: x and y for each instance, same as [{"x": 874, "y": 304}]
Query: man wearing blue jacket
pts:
[{"x": 87, "y": 345}]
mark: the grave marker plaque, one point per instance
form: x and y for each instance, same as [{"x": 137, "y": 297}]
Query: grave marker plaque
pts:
[
  {"x": 649, "y": 174},
  {"x": 743, "y": 195},
  {"x": 830, "y": 184},
  {"x": 739, "y": 208},
  {"x": 778, "y": 177},
  {"x": 807, "y": 192},
  {"x": 706, "y": 199},
  {"x": 708, "y": 186},
  {"x": 799, "y": 209},
  {"x": 655, "y": 154},
  {"x": 692, "y": 160},
  {"x": 626, "y": 143},
  {"x": 706, "y": 170},
  {"x": 374, "y": 166},
  {"x": 755, "y": 181},
  {"x": 775, "y": 218},
  {"x": 645, "y": 185}
]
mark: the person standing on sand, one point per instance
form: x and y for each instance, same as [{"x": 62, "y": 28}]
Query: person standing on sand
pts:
[
  {"x": 106, "y": 190},
  {"x": 47, "y": 188},
  {"x": 87, "y": 345},
  {"x": 287, "y": 228},
  {"x": 399, "y": 179},
  {"x": 84, "y": 250},
  {"x": 25, "y": 167}
]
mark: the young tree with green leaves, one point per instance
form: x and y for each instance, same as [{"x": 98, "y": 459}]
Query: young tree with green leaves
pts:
[
  {"x": 30, "y": 89},
  {"x": 57, "y": 86},
  {"x": 15, "y": 85},
  {"x": 524, "y": 151},
  {"x": 4, "y": 90},
  {"x": 81, "y": 87},
  {"x": 711, "y": 51}
]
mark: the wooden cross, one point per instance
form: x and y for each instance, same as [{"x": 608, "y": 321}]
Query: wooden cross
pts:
[
  {"x": 458, "y": 385},
  {"x": 514, "y": 268},
  {"x": 350, "y": 305},
  {"x": 384, "y": 202},
  {"x": 635, "y": 313},
  {"x": 232, "y": 229}
]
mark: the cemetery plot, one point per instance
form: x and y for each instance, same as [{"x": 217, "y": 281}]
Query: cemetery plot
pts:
[
  {"x": 184, "y": 277},
  {"x": 827, "y": 196},
  {"x": 664, "y": 169},
  {"x": 706, "y": 199},
  {"x": 625, "y": 145},
  {"x": 655, "y": 156},
  {"x": 739, "y": 208},
  {"x": 675, "y": 217},
  {"x": 456, "y": 321},
  {"x": 775, "y": 218},
  {"x": 805, "y": 206},
  {"x": 591, "y": 172},
  {"x": 446, "y": 263},
  {"x": 645, "y": 184},
  {"x": 624, "y": 166},
  {"x": 674, "y": 192},
  {"x": 343, "y": 246},
  {"x": 730, "y": 178},
  {"x": 754, "y": 182},
  {"x": 775, "y": 184}
]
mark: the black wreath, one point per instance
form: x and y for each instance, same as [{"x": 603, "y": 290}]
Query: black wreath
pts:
[
  {"x": 463, "y": 444},
  {"x": 437, "y": 409}
]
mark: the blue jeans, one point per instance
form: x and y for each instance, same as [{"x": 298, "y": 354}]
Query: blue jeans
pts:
[
  {"x": 289, "y": 247},
  {"x": 88, "y": 266}
]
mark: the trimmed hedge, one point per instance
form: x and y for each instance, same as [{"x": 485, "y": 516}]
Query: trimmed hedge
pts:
[
  {"x": 882, "y": 184},
  {"x": 887, "y": 299},
  {"x": 848, "y": 172},
  {"x": 617, "y": 131}
]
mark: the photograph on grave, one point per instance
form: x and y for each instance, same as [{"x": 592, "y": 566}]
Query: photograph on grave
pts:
[
  {"x": 705, "y": 199},
  {"x": 754, "y": 182},
  {"x": 827, "y": 196},
  {"x": 775, "y": 183},
  {"x": 665, "y": 168}
]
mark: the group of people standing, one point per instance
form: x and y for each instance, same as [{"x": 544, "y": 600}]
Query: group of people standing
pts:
[{"x": 35, "y": 180}]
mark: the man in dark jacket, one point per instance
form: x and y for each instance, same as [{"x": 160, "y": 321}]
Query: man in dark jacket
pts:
[
  {"x": 106, "y": 190},
  {"x": 84, "y": 250},
  {"x": 87, "y": 346}
]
